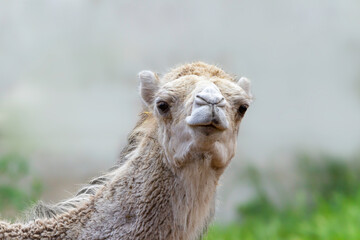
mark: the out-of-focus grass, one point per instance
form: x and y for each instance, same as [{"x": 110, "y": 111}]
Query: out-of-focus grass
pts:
[
  {"x": 334, "y": 219},
  {"x": 18, "y": 188},
  {"x": 327, "y": 207}
]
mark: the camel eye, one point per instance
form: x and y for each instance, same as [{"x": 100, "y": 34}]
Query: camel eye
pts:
[
  {"x": 242, "y": 109},
  {"x": 163, "y": 107}
]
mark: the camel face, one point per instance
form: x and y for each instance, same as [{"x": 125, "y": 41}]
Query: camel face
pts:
[{"x": 196, "y": 114}]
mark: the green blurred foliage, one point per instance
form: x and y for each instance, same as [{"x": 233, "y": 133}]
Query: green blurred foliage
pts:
[
  {"x": 18, "y": 188},
  {"x": 326, "y": 206},
  {"x": 327, "y": 175}
]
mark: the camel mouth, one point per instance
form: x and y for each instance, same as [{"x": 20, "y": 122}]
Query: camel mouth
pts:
[
  {"x": 212, "y": 125},
  {"x": 202, "y": 117},
  {"x": 208, "y": 129}
]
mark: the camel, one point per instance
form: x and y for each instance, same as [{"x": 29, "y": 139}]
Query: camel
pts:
[{"x": 164, "y": 184}]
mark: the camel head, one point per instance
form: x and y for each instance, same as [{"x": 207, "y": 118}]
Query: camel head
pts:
[{"x": 198, "y": 110}]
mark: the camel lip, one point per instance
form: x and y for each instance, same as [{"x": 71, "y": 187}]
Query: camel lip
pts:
[
  {"x": 208, "y": 130},
  {"x": 208, "y": 127}
]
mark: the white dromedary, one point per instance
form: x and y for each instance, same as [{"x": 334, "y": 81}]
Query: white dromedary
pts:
[{"x": 164, "y": 186}]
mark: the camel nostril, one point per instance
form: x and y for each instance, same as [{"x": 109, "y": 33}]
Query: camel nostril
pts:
[
  {"x": 201, "y": 100},
  {"x": 221, "y": 103}
]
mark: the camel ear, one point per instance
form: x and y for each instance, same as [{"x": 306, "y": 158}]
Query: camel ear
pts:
[
  {"x": 149, "y": 84},
  {"x": 245, "y": 84}
]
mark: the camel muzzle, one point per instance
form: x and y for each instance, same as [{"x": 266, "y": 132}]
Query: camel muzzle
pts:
[{"x": 208, "y": 109}]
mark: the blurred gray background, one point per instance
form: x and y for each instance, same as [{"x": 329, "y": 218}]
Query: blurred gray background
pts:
[{"x": 68, "y": 86}]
